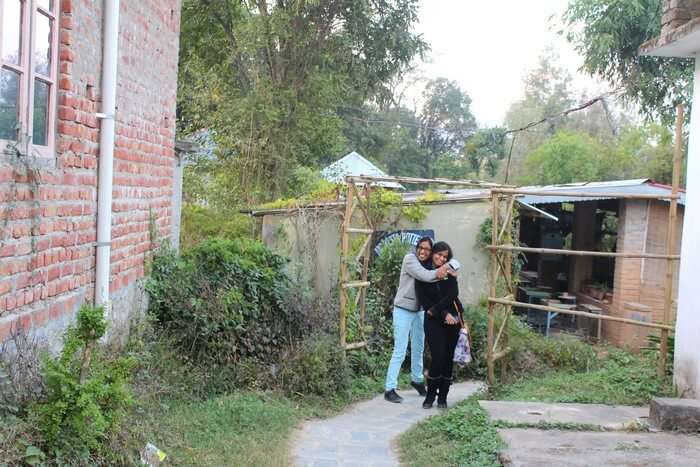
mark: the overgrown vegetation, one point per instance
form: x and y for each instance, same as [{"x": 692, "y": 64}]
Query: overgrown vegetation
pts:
[{"x": 224, "y": 300}]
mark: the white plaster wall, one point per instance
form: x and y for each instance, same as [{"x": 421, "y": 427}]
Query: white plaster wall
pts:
[
  {"x": 457, "y": 224},
  {"x": 686, "y": 372}
]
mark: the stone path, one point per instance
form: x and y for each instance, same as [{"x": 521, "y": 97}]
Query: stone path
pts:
[{"x": 364, "y": 434}]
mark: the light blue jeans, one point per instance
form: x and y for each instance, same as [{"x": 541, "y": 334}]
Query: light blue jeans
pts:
[{"x": 406, "y": 323}]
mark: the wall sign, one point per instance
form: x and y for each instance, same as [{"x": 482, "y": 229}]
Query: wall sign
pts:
[{"x": 408, "y": 236}]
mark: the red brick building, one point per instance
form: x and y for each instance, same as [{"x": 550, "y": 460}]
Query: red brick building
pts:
[
  {"x": 51, "y": 73},
  {"x": 630, "y": 288}
]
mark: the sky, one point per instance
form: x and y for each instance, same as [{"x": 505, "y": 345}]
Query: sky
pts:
[{"x": 488, "y": 46}]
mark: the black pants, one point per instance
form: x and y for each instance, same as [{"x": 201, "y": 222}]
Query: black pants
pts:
[{"x": 441, "y": 339}]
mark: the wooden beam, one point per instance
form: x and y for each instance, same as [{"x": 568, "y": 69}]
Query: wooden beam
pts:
[
  {"x": 579, "y": 313},
  {"x": 355, "y": 345},
  {"x": 355, "y": 284},
  {"x": 581, "y": 194},
  {"x": 343, "y": 269},
  {"x": 671, "y": 238},
  {"x": 556, "y": 251},
  {"x": 490, "y": 376},
  {"x": 366, "y": 247},
  {"x": 360, "y": 231},
  {"x": 509, "y": 215},
  {"x": 437, "y": 181},
  {"x": 501, "y": 353}
]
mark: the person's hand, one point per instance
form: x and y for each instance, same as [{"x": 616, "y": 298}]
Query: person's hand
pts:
[
  {"x": 442, "y": 271},
  {"x": 451, "y": 271},
  {"x": 451, "y": 320}
]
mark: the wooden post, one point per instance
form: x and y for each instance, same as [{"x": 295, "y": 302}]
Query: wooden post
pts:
[
  {"x": 367, "y": 247},
  {"x": 344, "y": 254},
  {"x": 494, "y": 277},
  {"x": 508, "y": 276},
  {"x": 671, "y": 237}
]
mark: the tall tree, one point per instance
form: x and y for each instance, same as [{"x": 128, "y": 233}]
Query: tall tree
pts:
[
  {"x": 547, "y": 93},
  {"x": 446, "y": 122},
  {"x": 608, "y": 33},
  {"x": 267, "y": 78}
]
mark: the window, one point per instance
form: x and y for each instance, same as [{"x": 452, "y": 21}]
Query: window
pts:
[{"x": 28, "y": 54}]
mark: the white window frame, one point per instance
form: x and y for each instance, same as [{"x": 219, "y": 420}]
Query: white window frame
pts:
[{"x": 28, "y": 76}]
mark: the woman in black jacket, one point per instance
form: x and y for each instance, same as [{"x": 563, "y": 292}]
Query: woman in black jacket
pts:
[{"x": 442, "y": 324}]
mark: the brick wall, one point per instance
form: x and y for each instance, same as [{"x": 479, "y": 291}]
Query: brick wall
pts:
[
  {"x": 676, "y": 13},
  {"x": 48, "y": 205},
  {"x": 642, "y": 227}
]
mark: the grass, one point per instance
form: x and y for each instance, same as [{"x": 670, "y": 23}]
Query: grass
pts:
[
  {"x": 620, "y": 379},
  {"x": 462, "y": 436},
  {"x": 235, "y": 429}
]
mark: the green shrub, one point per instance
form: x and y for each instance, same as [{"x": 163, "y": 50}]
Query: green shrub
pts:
[
  {"x": 86, "y": 395},
  {"x": 224, "y": 300},
  {"x": 317, "y": 366}
]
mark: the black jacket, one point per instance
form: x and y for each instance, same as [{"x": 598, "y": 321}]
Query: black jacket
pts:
[{"x": 439, "y": 298}]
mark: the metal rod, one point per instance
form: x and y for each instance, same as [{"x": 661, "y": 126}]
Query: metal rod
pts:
[
  {"x": 556, "y": 251},
  {"x": 564, "y": 311},
  {"x": 360, "y": 231}
]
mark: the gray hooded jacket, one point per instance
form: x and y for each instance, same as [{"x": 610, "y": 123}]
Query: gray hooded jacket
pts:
[{"x": 411, "y": 269}]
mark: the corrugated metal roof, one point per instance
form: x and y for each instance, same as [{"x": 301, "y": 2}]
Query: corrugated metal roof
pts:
[
  {"x": 642, "y": 186},
  {"x": 354, "y": 164}
]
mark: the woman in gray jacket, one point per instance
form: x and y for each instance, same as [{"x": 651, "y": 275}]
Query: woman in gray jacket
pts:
[{"x": 408, "y": 319}]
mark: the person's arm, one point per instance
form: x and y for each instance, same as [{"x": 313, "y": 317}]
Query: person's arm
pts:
[
  {"x": 422, "y": 294},
  {"x": 449, "y": 291},
  {"x": 416, "y": 270}
]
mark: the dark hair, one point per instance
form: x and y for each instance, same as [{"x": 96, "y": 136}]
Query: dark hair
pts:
[
  {"x": 424, "y": 239},
  {"x": 443, "y": 246}
]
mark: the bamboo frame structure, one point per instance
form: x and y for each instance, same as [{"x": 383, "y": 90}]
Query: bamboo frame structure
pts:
[
  {"x": 501, "y": 262},
  {"x": 362, "y": 199}
]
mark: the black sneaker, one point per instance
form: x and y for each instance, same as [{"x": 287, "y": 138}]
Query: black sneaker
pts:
[
  {"x": 427, "y": 405},
  {"x": 442, "y": 405},
  {"x": 420, "y": 387},
  {"x": 391, "y": 396}
]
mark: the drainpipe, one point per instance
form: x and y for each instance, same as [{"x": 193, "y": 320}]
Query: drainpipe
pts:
[{"x": 105, "y": 175}]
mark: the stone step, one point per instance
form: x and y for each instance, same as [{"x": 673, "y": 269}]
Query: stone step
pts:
[
  {"x": 671, "y": 414},
  {"x": 544, "y": 448},
  {"x": 605, "y": 417}
]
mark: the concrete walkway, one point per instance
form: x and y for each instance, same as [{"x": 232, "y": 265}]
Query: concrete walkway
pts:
[
  {"x": 553, "y": 448},
  {"x": 607, "y": 417},
  {"x": 364, "y": 434}
]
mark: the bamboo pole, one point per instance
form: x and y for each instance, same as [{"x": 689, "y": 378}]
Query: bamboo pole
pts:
[
  {"x": 437, "y": 181},
  {"x": 508, "y": 276},
  {"x": 581, "y": 194},
  {"x": 564, "y": 311},
  {"x": 671, "y": 237},
  {"x": 556, "y": 251},
  {"x": 494, "y": 278},
  {"x": 508, "y": 219},
  {"x": 344, "y": 253},
  {"x": 366, "y": 247},
  {"x": 355, "y": 345}
]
